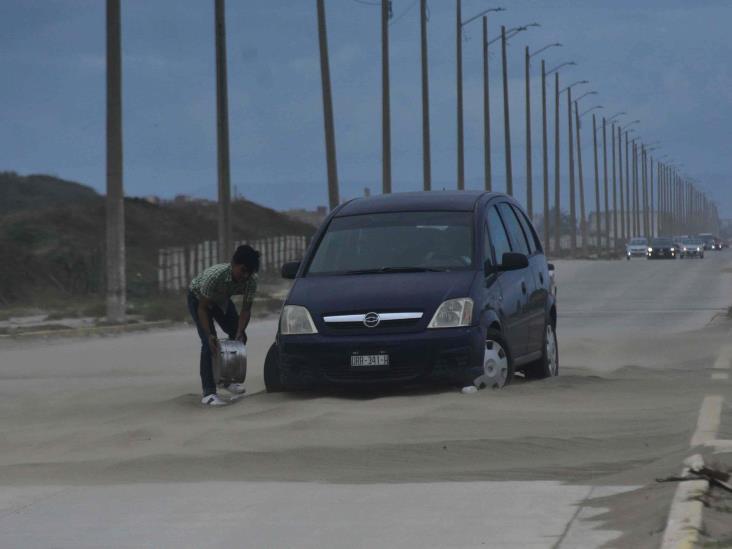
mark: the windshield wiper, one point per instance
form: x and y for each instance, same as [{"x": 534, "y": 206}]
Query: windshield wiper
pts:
[{"x": 384, "y": 270}]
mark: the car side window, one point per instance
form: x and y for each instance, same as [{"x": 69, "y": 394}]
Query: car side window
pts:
[
  {"x": 531, "y": 236},
  {"x": 515, "y": 232},
  {"x": 497, "y": 232}
]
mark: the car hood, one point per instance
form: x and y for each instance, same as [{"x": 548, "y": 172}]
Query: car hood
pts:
[{"x": 390, "y": 292}]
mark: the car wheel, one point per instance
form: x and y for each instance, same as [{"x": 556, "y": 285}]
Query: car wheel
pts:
[
  {"x": 497, "y": 363},
  {"x": 548, "y": 364},
  {"x": 272, "y": 380}
]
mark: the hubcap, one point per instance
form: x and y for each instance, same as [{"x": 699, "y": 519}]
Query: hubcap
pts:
[
  {"x": 495, "y": 366},
  {"x": 551, "y": 350}
]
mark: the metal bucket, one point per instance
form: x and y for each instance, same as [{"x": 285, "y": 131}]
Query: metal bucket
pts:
[{"x": 230, "y": 363}]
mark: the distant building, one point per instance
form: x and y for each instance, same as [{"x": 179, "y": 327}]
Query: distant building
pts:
[
  {"x": 311, "y": 217},
  {"x": 152, "y": 199}
]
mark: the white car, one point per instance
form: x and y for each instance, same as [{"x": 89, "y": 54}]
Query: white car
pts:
[{"x": 637, "y": 247}]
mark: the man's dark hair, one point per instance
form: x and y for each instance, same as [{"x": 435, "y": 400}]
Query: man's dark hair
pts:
[{"x": 247, "y": 256}]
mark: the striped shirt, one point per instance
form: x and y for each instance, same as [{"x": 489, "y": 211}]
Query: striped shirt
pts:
[{"x": 217, "y": 284}]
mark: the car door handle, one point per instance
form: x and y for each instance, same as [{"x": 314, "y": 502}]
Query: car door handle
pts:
[
  {"x": 523, "y": 286},
  {"x": 541, "y": 278}
]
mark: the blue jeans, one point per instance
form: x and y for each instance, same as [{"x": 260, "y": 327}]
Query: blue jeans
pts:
[{"x": 228, "y": 321}]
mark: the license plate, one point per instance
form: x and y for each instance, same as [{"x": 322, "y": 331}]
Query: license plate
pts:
[{"x": 369, "y": 361}]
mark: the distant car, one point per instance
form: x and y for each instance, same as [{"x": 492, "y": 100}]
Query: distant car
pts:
[
  {"x": 709, "y": 240},
  {"x": 661, "y": 248},
  {"x": 691, "y": 247},
  {"x": 403, "y": 287},
  {"x": 637, "y": 247}
]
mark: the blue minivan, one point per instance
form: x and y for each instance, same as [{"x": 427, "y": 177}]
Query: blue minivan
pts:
[{"x": 400, "y": 288}]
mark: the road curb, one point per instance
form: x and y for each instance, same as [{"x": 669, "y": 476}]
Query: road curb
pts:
[
  {"x": 91, "y": 330},
  {"x": 685, "y": 517}
]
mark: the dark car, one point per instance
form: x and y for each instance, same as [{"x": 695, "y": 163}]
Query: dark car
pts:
[
  {"x": 403, "y": 287},
  {"x": 662, "y": 248}
]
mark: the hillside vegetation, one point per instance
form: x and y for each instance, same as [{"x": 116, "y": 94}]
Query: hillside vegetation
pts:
[{"x": 52, "y": 236}]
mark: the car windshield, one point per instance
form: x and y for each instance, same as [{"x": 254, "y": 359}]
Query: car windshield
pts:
[
  {"x": 638, "y": 242},
  {"x": 396, "y": 242},
  {"x": 692, "y": 242},
  {"x": 663, "y": 242}
]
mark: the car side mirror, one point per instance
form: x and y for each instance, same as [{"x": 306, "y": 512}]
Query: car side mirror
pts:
[
  {"x": 550, "y": 266},
  {"x": 512, "y": 261},
  {"x": 289, "y": 270}
]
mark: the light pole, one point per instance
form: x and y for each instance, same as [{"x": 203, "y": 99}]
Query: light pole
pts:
[
  {"x": 459, "y": 23},
  {"x": 557, "y": 212},
  {"x": 385, "y": 100},
  {"x": 604, "y": 169},
  {"x": 583, "y": 218},
  {"x": 330, "y": 145},
  {"x": 222, "y": 134},
  {"x": 506, "y": 111},
  {"x": 629, "y": 230},
  {"x": 426, "y": 155},
  {"x": 570, "y": 149},
  {"x": 529, "y": 174}
]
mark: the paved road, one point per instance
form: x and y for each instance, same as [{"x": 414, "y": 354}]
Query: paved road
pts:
[{"x": 102, "y": 441}]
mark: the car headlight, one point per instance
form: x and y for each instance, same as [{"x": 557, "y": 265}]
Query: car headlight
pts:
[
  {"x": 685, "y": 249},
  {"x": 296, "y": 320},
  {"x": 650, "y": 249},
  {"x": 673, "y": 249},
  {"x": 453, "y": 313},
  {"x": 698, "y": 249}
]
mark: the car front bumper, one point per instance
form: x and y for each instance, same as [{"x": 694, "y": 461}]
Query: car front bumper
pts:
[
  {"x": 662, "y": 254},
  {"x": 454, "y": 354}
]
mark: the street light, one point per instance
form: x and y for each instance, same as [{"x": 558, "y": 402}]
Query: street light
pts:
[
  {"x": 616, "y": 115},
  {"x": 630, "y": 124},
  {"x": 585, "y": 95},
  {"x": 529, "y": 174},
  {"x": 591, "y": 109},
  {"x": 460, "y": 134}
]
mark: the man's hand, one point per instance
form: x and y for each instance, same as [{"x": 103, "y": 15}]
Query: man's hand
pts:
[
  {"x": 213, "y": 343},
  {"x": 241, "y": 335}
]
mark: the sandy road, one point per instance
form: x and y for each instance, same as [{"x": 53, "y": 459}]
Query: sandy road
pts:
[{"x": 102, "y": 441}]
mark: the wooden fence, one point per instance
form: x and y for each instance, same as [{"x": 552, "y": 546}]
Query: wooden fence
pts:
[{"x": 178, "y": 265}]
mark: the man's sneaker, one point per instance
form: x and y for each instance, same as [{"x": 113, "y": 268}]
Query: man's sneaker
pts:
[
  {"x": 213, "y": 400},
  {"x": 235, "y": 388}
]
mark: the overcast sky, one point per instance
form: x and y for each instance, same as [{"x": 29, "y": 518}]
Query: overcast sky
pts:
[{"x": 665, "y": 62}]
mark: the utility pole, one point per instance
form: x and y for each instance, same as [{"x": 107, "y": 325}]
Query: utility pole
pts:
[
  {"x": 460, "y": 137},
  {"x": 604, "y": 168},
  {"x": 115, "y": 207},
  {"x": 598, "y": 227},
  {"x": 486, "y": 111},
  {"x": 529, "y": 178},
  {"x": 570, "y": 148},
  {"x": 385, "y": 107},
  {"x": 330, "y": 145},
  {"x": 557, "y": 201},
  {"x": 222, "y": 134},
  {"x": 545, "y": 155},
  {"x": 583, "y": 219},
  {"x": 506, "y": 119},
  {"x": 426, "y": 162}
]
